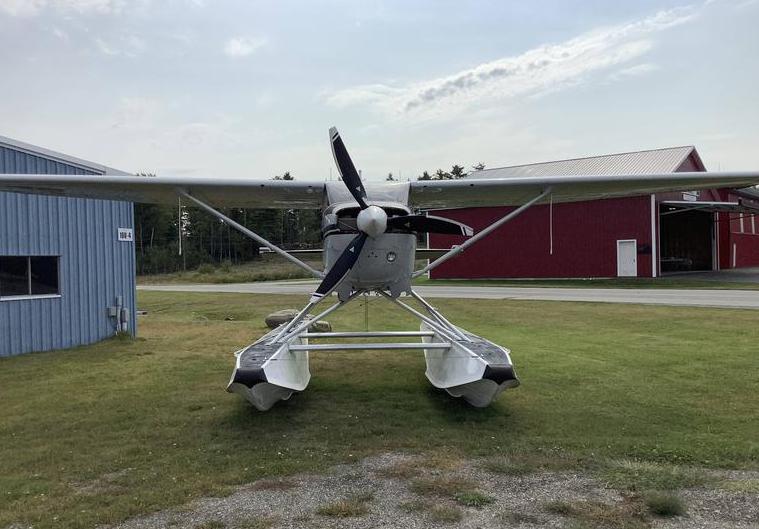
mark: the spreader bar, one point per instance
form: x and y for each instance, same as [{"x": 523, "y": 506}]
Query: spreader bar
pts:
[
  {"x": 378, "y": 334},
  {"x": 360, "y": 346}
]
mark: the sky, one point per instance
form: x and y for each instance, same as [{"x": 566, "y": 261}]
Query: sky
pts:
[{"x": 250, "y": 88}]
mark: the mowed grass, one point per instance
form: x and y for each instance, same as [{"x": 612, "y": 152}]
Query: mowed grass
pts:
[{"x": 101, "y": 433}]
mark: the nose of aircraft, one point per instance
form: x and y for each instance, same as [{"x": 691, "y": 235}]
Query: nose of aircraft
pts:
[{"x": 372, "y": 220}]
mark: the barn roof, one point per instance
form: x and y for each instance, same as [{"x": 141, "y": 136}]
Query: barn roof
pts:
[{"x": 654, "y": 161}]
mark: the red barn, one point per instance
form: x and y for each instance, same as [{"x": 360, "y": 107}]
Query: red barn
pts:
[{"x": 642, "y": 236}]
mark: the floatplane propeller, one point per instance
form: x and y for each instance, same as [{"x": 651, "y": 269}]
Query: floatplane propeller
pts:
[{"x": 372, "y": 220}]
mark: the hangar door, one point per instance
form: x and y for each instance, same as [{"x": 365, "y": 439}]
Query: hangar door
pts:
[{"x": 687, "y": 240}]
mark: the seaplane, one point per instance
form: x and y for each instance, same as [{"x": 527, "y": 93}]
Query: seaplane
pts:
[{"x": 369, "y": 232}]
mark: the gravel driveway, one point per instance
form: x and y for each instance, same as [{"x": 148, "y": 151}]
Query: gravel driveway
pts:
[{"x": 395, "y": 490}]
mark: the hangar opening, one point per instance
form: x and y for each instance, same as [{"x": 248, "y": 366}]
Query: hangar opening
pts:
[
  {"x": 689, "y": 232},
  {"x": 687, "y": 240}
]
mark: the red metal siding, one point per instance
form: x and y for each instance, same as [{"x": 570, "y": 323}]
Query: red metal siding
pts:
[
  {"x": 746, "y": 249},
  {"x": 744, "y": 243},
  {"x": 690, "y": 164},
  {"x": 585, "y": 238}
]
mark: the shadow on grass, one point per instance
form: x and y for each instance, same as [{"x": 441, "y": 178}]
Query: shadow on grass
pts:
[
  {"x": 455, "y": 410},
  {"x": 363, "y": 421}
]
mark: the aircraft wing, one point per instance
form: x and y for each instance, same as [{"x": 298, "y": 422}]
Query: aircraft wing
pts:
[
  {"x": 423, "y": 194},
  {"x": 221, "y": 192},
  {"x": 473, "y": 192}
]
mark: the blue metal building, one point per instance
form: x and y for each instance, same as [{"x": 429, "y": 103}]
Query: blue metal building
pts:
[{"x": 65, "y": 263}]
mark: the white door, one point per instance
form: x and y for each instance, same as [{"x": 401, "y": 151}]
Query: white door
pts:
[{"x": 627, "y": 258}]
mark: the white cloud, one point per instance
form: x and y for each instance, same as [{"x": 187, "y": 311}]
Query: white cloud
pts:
[
  {"x": 104, "y": 47},
  {"x": 161, "y": 124},
  {"x": 21, "y": 7},
  {"x": 127, "y": 45},
  {"x": 538, "y": 71},
  {"x": 34, "y": 7},
  {"x": 243, "y": 46},
  {"x": 58, "y": 32},
  {"x": 136, "y": 113},
  {"x": 634, "y": 71}
]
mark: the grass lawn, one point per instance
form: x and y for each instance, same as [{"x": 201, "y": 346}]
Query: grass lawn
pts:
[{"x": 100, "y": 433}]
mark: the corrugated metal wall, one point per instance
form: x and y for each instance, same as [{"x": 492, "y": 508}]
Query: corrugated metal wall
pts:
[
  {"x": 739, "y": 248},
  {"x": 585, "y": 238},
  {"x": 94, "y": 266}
]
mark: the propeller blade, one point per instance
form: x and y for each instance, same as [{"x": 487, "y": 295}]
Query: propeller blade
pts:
[
  {"x": 429, "y": 224},
  {"x": 341, "y": 267},
  {"x": 347, "y": 169}
]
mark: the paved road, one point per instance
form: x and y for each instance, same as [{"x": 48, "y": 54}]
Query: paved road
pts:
[{"x": 745, "y": 299}]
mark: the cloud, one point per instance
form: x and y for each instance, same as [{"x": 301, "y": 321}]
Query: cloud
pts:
[
  {"x": 136, "y": 113},
  {"x": 634, "y": 71},
  {"x": 34, "y": 7},
  {"x": 544, "y": 69},
  {"x": 163, "y": 123},
  {"x": 20, "y": 7},
  {"x": 243, "y": 46},
  {"x": 59, "y": 33},
  {"x": 104, "y": 47},
  {"x": 127, "y": 46}
]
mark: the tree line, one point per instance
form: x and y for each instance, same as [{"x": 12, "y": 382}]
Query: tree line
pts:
[
  {"x": 161, "y": 230},
  {"x": 457, "y": 171}
]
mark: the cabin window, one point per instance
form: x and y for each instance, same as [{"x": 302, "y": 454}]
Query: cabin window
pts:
[{"x": 29, "y": 276}]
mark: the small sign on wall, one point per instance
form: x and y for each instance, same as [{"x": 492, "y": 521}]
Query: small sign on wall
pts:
[{"x": 126, "y": 234}]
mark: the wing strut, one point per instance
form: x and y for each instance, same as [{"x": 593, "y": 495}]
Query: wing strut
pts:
[
  {"x": 497, "y": 224},
  {"x": 245, "y": 231}
]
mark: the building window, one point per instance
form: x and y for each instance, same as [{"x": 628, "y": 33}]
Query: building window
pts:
[
  {"x": 28, "y": 276},
  {"x": 14, "y": 279}
]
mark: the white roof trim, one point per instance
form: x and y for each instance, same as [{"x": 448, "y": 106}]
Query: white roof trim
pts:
[{"x": 60, "y": 157}]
